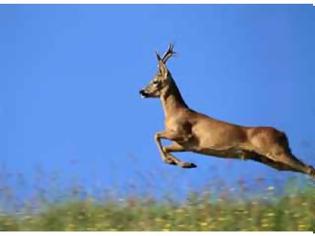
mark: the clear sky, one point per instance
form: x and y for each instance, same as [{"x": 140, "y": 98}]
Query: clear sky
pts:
[{"x": 70, "y": 76}]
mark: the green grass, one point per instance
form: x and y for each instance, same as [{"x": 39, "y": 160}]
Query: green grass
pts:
[{"x": 293, "y": 211}]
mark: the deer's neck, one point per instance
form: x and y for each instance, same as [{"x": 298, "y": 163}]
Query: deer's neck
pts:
[{"x": 172, "y": 100}]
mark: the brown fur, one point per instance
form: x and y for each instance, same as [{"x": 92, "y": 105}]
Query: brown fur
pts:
[{"x": 193, "y": 131}]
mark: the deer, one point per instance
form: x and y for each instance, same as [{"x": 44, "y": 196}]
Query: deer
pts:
[{"x": 192, "y": 131}]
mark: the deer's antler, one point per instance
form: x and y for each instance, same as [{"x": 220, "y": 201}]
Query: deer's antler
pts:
[{"x": 169, "y": 53}]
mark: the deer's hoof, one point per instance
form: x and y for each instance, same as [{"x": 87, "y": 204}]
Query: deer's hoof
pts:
[
  {"x": 188, "y": 165},
  {"x": 170, "y": 161}
]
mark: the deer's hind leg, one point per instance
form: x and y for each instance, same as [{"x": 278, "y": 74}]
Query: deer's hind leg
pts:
[
  {"x": 274, "y": 145},
  {"x": 288, "y": 159},
  {"x": 283, "y": 159},
  {"x": 270, "y": 162}
]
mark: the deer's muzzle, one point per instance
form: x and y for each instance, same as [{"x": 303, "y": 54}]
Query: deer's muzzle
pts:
[{"x": 143, "y": 93}]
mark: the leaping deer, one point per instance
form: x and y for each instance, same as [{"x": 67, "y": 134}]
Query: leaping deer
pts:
[{"x": 195, "y": 132}]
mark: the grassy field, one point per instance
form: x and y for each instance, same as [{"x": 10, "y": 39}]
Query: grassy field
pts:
[{"x": 292, "y": 211}]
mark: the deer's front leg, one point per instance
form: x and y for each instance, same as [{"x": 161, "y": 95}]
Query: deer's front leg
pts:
[{"x": 174, "y": 147}]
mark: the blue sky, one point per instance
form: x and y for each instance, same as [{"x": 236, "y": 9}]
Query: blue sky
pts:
[{"x": 70, "y": 76}]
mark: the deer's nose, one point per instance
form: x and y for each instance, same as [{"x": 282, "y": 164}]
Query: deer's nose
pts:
[{"x": 142, "y": 92}]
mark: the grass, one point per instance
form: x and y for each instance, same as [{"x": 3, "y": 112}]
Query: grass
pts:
[{"x": 200, "y": 211}]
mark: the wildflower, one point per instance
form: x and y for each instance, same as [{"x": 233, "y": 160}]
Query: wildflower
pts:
[
  {"x": 179, "y": 210},
  {"x": 265, "y": 225},
  {"x": 70, "y": 227},
  {"x": 270, "y": 214},
  {"x": 167, "y": 227},
  {"x": 270, "y": 188},
  {"x": 222, "y": 218},
  {"x": 203, "y": 223},
  {"x": 302, "y": 227}
]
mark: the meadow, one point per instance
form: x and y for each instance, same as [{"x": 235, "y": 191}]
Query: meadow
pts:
[{"x": 291, "y": 210}]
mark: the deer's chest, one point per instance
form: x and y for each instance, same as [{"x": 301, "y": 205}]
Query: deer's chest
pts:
[{"x": 178, "y": 125}]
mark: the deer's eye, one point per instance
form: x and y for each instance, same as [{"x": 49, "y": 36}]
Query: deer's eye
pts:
[{"x": 155, "y": 82}]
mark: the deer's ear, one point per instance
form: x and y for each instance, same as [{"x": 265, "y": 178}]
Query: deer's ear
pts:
[{"x": 163, "y": 70}]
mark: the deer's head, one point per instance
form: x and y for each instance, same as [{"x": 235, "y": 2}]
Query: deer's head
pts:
[{"x": 161, "y": 80}]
